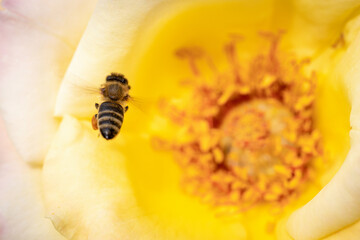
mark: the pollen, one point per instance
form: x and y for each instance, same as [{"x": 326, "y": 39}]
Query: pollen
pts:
[{"x": 246, "y": 135}]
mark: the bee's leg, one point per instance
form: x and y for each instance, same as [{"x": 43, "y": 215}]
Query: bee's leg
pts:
[
  {"x": 126, "y": 108},
  {"x": 94, "y": 122},
  {"x": 96, "y": 105}
]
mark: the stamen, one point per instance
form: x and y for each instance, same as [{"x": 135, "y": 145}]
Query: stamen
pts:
[{"x": 248, "y": 136}]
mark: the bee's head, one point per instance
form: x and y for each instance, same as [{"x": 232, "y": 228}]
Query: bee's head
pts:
[{"x": 117, "y": 78}]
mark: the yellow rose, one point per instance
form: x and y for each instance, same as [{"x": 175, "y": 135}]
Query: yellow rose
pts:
[{"x": 128, "y": 189}]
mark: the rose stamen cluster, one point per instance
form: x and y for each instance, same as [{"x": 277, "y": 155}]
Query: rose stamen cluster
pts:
[{"x": 246, "y": 135}]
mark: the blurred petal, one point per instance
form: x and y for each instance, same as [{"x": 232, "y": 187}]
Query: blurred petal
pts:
[
  {"x": 33, "y": 60},
  {"x": 317, "y": 24},
  {"x": 281, "y": 233},
  {"x": 338, "y": 203},
  {"x": 63, "y": 19},
  {"x": 21, "y": 206},
  {"x": 349, "y": 233},
  {"x": 30, "y": 69},
  {"x": 31, "y": 65},
  {"x": 348, "y": 69}
]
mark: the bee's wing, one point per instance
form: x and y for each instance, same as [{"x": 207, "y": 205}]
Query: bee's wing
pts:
[
  {"x": 140, "y": 104},
  {"x": 81, "y": 89},
  {"x": 85, "y": 87},
  {"x": 77, "y": 97}
]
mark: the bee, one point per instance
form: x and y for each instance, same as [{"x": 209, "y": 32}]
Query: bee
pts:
[{"x": 110, "y": 116}]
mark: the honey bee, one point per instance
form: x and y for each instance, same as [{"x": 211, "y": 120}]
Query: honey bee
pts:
[{"x": 110, "y": 116}]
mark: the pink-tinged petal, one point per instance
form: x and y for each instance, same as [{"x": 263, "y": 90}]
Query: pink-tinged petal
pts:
[
  {"x": 64, "y": 19},
  {"x": 32, "y": 64},
  {"x": 37, "y": 42},
  {"x": 21, "y": 207}
]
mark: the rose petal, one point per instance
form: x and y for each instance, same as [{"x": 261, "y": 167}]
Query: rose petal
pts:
[
  {"x": 21, "y": 206},
  {"x": 86, "y": 187},
  {"x": 338, "y": 203},
  {"x": 349, "y": 69},
  {"x": 351, "y": 232},
  {"x": 89, "y": 195},
  {"x": 31, "y": 65},
  {"x": 317, "y": 24},
  {"x": 63, "y": 19},
  {"x": 37, "y": 41},
  {"x": 336, "y": 206}
]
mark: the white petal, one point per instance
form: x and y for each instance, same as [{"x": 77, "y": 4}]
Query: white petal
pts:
[{"x": 21, "y": 206}]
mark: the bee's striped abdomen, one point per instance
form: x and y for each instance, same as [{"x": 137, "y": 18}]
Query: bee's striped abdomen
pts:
[{"x": 110, "y": 119}]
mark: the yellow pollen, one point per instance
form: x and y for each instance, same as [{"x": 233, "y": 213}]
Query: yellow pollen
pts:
[{"x": 247, "y": 135}]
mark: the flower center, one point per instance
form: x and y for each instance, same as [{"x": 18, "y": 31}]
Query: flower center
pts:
[
  {"x": 257, "y": 136},
  {"x": 246, "y": 135}
]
